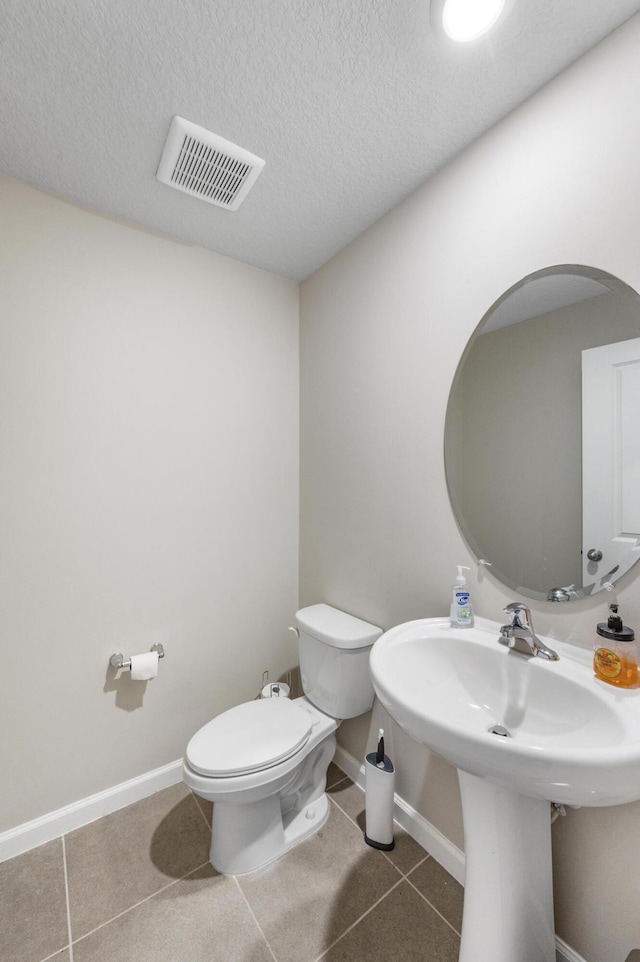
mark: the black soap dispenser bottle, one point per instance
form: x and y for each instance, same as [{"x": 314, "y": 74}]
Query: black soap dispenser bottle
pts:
[{"x": 615, "y": 656}]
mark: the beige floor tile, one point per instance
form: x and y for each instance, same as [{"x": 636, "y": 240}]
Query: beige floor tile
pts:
[
  {"x": 124, "y": 857},
  {"x": 351, "y": 799},
  {"x": 441, "y": 889},
  {"x": 33, "y": 911},
  {"x": 334, "y": 774},
  {"x": 202, "y": 918},
  {"x": 407, "y": 853},
  {"x": 403, "y": 928},
  {"x": 348, "y": 796},
  {"x": 311, "y": 895}
]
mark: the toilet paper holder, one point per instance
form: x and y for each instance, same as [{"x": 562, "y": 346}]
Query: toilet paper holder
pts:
[{"x": 118, "y": 662}]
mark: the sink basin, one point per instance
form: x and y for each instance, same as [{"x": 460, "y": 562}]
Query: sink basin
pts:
[{"x": 572, "y": 738}]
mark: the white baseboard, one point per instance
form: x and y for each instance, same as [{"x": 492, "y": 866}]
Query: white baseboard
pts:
[
  {"x": 31, "y": 834},
  {"x": 432, "y": 840},
  {"x": 564, "y": 952}
]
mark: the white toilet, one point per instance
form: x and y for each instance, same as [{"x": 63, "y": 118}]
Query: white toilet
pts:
[{"x": 264, "y": 763}]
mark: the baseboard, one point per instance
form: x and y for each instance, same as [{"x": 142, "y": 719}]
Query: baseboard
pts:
[
  {"x": 564, "y": 952},
  {"x": 31, "y": 834},
  {"x": 432, "y": 840}
]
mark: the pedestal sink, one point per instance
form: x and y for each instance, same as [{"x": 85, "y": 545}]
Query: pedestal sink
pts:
[{"x": 522, "y": 732}]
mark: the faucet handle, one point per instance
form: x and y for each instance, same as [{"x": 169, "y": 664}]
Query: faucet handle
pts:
[
  {"x": 533, "y": 645},
  {"x": 514, "y": 609}
]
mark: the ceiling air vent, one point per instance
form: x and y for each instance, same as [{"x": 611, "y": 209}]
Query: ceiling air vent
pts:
[{"x": 207, "y": 166}]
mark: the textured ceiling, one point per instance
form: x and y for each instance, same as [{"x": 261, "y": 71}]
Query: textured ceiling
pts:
[{"x": 352, "y": 103}]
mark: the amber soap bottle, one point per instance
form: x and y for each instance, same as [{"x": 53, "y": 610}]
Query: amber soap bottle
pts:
[{"x": 615, "y": 656}]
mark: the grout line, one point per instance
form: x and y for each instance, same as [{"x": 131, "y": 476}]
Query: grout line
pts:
[
  {"x": 422, "y": 896},
  {"x": 58, "y": 951},
  {"x": 404, "y": 875},
  {"x": 66, "y": 894},
  {"x": 389, "y": 859},
  {"x": 382, "y": 852},
  {"x": 391, "y": 862},
  {"x": 357, "y": 921},
  {"x": 338, "y": 782},
  {"x": 342, "y": 812},
  {"x": 142, "y": 901},
  {"x": 206, "y": 821},
  {"x": 253, "y": 916},
  {"x": 418, "y": 864}
]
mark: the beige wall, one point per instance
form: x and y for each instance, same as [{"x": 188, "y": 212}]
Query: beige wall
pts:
[
  {"x": 148, "y": 492},
  {"x": 383, "y": 326}
]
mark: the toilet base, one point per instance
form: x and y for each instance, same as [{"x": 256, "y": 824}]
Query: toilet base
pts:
[{"x": 266, "y": 834}]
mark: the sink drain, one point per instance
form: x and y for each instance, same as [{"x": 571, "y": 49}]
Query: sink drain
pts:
[{"x": 500, "y": 730}]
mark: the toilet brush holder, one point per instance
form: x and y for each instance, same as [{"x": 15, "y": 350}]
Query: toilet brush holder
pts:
[{"x": 379, "y": 796}]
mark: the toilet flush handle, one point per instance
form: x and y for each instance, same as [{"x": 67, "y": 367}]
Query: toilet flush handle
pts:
[{"x": 295, "y": 631}]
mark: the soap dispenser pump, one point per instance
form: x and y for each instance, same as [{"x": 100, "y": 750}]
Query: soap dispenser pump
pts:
[
  {"x": 615, "y": 656},
  {"x": 461, "y": 607}
]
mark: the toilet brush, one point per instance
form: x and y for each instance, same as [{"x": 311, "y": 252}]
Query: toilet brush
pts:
[{"x": 379, "y": 795}]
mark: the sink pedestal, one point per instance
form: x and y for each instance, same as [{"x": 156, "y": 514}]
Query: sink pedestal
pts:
[{"x": 508, "y": 896}]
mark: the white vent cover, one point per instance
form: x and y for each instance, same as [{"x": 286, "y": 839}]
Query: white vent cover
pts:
[{"x": 207, "y": 166}]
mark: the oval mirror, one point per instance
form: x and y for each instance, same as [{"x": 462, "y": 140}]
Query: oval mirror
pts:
[{"x": 542, "y": 435}]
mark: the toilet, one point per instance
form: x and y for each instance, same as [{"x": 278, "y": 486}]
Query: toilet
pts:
[{"x": 264, "y": 763}]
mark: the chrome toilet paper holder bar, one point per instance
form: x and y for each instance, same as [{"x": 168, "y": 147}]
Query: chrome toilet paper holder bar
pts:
[{"x": 118, "y": 662}]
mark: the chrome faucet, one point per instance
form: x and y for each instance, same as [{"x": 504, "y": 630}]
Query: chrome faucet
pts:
[{"x": 520, "y": 636}]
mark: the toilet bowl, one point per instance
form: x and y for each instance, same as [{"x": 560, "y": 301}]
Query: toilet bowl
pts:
[
  {"x": 263, "y": 764},
  {"x": 262, "y": 806}
]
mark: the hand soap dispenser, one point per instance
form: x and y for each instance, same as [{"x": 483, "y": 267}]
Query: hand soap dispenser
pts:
[
  {"x": 615, "y": 657},
  {"x": 461, "y": 608}
]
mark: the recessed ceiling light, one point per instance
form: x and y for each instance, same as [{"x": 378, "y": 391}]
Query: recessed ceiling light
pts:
[{"x": 465, "y": 20}]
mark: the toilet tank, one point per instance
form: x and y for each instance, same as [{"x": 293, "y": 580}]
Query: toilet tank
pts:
[{"x": 334, "y": 660}]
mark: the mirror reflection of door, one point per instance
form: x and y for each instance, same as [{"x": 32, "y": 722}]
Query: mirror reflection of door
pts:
[{"x": 610, "y": 458}]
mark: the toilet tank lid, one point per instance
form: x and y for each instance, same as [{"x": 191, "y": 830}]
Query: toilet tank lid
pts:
[{"x": 336, "y": 628}]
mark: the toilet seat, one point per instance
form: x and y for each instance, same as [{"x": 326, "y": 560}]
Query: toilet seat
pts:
[{"x": 249, "y": 738}]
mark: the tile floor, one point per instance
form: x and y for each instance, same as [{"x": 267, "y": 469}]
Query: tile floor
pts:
[{"x": 137, "y": 886}]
